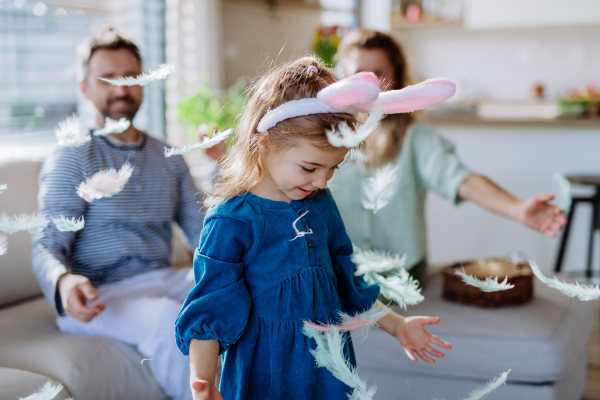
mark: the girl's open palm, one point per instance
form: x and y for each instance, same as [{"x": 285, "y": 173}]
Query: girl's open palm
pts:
[
  {"x": 414, "y": 338},
  {"x": 202, "y": 390}
]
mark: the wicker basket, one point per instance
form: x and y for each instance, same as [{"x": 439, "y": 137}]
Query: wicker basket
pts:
[{"x": 519, "y": 274}]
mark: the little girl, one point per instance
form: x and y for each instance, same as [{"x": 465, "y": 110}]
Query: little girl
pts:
[{"x": 274, "y": 253}]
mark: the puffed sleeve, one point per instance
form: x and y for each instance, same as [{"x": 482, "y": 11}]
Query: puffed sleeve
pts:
[
  {"x": 438, "y": 165},
  {"x": 355, "y": 293},
  {"x": 219, "y": 305}
]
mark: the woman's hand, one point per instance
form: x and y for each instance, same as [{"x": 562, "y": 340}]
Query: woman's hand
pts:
[
  {"x": 219, "y": 149},
  {"x": 536, "y": 213},
  {"x": 412, "y": 336},
  {"x": 202, "y": 390}
]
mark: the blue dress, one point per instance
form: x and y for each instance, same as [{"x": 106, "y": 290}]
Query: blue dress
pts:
[{"x": 255, "y": 287}]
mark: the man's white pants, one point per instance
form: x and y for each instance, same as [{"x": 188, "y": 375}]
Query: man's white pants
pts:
[{"x": 141, "y": 312}]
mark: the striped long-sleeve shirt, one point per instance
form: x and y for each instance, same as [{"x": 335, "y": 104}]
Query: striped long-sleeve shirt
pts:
[{"x": 124, "y": 235}]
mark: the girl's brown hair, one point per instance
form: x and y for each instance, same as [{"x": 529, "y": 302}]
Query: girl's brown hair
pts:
[
  {"x": 385, "y": 143},
  {"x": 243, "y": 169}
]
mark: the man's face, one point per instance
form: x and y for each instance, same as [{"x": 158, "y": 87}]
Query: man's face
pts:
[
  {"x": 113, "y": 101},
  {"x": 371, "y": 60}
]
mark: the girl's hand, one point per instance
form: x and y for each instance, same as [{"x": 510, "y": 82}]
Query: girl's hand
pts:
[
  {"x": 412, "y": 336},
  {"x": 202, "y": 390},
  {"x": 536, "y": 213}
]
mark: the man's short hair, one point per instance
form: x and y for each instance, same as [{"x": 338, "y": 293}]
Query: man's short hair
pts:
[{"x": 104, "y": 38}]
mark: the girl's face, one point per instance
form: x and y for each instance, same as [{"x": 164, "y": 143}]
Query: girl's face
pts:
[{"x": 295, "y": 172}]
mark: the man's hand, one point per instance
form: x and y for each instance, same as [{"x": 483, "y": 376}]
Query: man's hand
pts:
[
  {"x": 536, "y": 213},
  {"x": 202, "y": 390},
  {"x": 75, "y": 291}
]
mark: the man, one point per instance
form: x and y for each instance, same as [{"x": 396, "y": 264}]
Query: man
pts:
[{"x": 113, "y": 278}]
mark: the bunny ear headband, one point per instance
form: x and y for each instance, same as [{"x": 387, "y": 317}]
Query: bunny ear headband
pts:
[{"x": 361, "y": 93}]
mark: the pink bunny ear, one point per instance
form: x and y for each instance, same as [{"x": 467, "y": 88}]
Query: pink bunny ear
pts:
[
  {"x": 415, "y": 97},
  {"x": 354, "y": 91}
]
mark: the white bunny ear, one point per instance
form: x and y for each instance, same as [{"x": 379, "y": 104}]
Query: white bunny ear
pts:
[
  {"x": 354, "y": 91},
  {"x": 415, "y": 97}
]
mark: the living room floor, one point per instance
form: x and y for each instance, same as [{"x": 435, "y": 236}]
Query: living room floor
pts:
[{"x": 592, "y": 389}]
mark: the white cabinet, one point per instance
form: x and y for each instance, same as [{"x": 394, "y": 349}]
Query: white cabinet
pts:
[{"x": 491, "y": 14}]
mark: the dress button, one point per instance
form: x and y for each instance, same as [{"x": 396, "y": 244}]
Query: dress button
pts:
[
  {"x": 300, "y": 212},
  {"x": 310, "y": 245},
  {"x": 306, "y": 227}
]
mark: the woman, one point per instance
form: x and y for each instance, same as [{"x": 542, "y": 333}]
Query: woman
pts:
[{"x": 425, "y": 161}]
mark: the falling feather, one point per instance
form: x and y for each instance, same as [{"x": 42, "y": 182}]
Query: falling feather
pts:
[
  {"x": 583, "y": 293},
  {"x": 345, "y": 136},
  {"x": 22, "y": 222},
  {"x": 360, "y": 320},
  {"x": 376, "y": 261},
  {"x": 489, "y": 285},
  {"x": 329, "y": 353},
  {"x": 205, "y": 144},
  {"x": 3, "y": 244},
  {"x": 300, "y": 233},
  {"x": 379, "y": 188},
  {"x": 3, "y": 187},
  {"x": 401, "y": 288},
  {"x": 105, "y": 183},
  {"x": 112, "y": 126},
  {"x": 64, "y": 224},
  {"x": 142, "y": 80},
  {"x": 564, "y": 193},
  {"x": 70, "y": 132},
  {"x": 48, "y": 392},
  {"x": 478, "y": 394}
]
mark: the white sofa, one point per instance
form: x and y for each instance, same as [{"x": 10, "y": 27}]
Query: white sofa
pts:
[
  {"x": 542, "y": 342},
  {"x": 32, "y": 350}
]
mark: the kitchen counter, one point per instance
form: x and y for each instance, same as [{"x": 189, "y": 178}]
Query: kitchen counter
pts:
[{"x": 471, "y": 119}]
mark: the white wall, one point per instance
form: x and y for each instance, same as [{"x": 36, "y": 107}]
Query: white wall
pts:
[
  {"x": 254, "y": 36},
  {"x": 504, "y": 64}
]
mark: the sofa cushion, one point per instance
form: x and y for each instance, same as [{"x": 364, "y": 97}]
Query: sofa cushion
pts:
[
  {"x": 17, "y": 384},
  {"x": 90, "y": 367},
  {"x": 541, "y": 341},
  {"x": 17, "y": 281}
]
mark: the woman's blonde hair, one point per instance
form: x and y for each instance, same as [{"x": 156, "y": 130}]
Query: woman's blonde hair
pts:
[
  {"x": 243, "y": 168},
  {"x": 385, "y": 143}
]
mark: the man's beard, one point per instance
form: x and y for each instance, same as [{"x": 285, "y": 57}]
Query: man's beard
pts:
[{"x": 116, "y": 115}]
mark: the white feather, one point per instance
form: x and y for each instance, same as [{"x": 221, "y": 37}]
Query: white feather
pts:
[
  {"x": 330, "y": 354},
  {"x": 298, "y": 232},
  {"x": 478, "y": 394},
  {"x": 142, "y": 80},
  {"x": 64, "y": 224},
  {"x": 3, "y": 187},
  {"x": 359, "y": 321},
  {"x": 377, "y": 261},
  {"x": 48, "y": 392},
  {"x": 205, "y": 144},
  {"x": 105, "y": 183},
  {"x": 379, "y": 188},
  {"x": 345, "y": 136},
  {"x": 3, "y": 244},
  {"x": 489, "y": 285},
  {"x": 583, "y": 293},
  {"x": 564, "y": 193},
  {"x": 401, "y": 288},
  {"x": 22, "y": 222},
  {"x": 70, "y": 132},
  {"x": 112, "y": 126}
]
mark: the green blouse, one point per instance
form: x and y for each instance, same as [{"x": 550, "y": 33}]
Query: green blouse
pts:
[{"x": 426, "y": 162}]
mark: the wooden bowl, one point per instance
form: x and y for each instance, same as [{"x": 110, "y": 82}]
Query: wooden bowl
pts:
[{"x": 519, "y": 274}]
